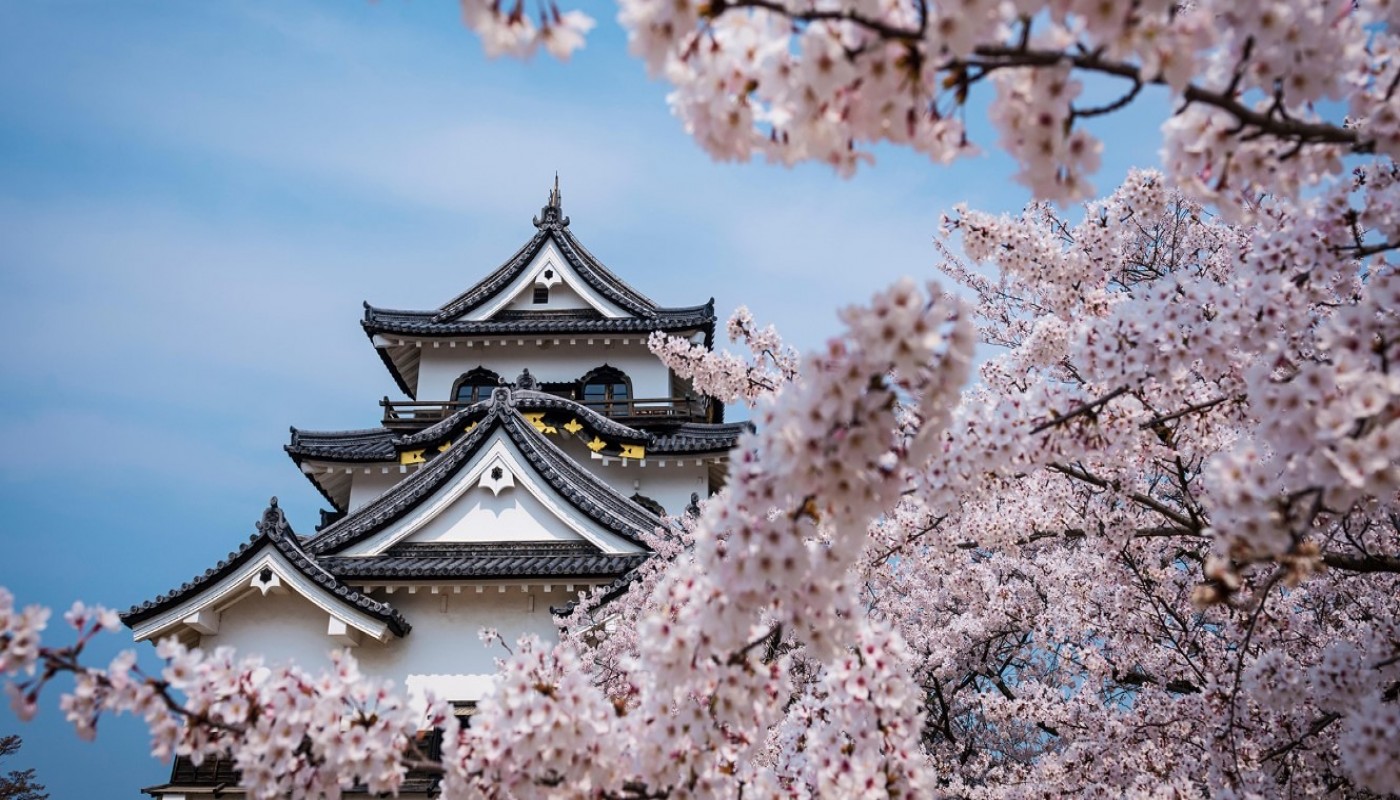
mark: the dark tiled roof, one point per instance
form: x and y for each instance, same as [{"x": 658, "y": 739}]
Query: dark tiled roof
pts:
[
  {"x": 698, "y": 437},
  {"x": 485, "y": 560},
  {"x": 589, "y": 494},
  {"x": 645, "y": 315},
  {"x": 425, "y": 323},
  {"x": 444, "y": 429},
  {"x": 586, "y": 491},
  {"x": 272, "y": 529},
  {"x": 551, "y": 224},
  {"x": 371, "y": 444},
  {"x": 540, "y": 401},
  {"x": 524, "y": 400},
  {"x": 382, "y": 444},
  {"x": 406, "y": 494}
]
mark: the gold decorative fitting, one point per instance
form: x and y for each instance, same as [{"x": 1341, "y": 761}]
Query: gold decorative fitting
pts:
[
  {"x": 573, "y": 426},
  {"x": 411, "y": 457},
  {"x": 597, "y": 444},
  {"x": 633, "y": 451}
]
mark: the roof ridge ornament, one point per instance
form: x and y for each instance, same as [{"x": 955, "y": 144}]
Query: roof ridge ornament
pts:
[
  {"x": 552, "y": 215},
  {"x": 273, "y": 521},
  {"x": 527, "y": 382}
]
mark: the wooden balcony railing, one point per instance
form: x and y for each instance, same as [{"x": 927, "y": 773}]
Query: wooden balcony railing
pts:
[{"x": 416, "y": 414}]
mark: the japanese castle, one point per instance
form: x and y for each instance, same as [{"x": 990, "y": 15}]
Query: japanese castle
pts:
[{"x": 540, "y": 439}]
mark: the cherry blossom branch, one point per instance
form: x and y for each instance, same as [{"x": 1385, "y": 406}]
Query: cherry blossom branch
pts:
[
  {"x": 1318, "y": 726},
  {"x": 1191, "y": 409},
  {"x": 1087, "y": 409},
  {"x": 1361, "y": 564},
  {"x": 988, "y": 58},
  {"x": 1080, "y": 474},
  {"x": 1273, "y": 123}
]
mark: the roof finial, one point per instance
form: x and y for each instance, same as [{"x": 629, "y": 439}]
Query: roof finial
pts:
[
  {"x": 552, "y": 215},
  {"x": 273, "y": 520}
]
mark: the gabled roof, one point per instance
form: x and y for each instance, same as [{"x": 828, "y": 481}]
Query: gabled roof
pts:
[
  {"x": 595, "y": 499},
  {"x": 640, "y": 314},
  {"x": 380, "y": 445},
  {"x": 551, "y": 223},
  {"x": 274, "y": 533}
]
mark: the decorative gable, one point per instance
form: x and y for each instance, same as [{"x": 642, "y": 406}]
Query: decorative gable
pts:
[
  {"x": 496, "y": 496},
  {"x": 548, "y": 283},
  {"x": 271, "y": 563}
]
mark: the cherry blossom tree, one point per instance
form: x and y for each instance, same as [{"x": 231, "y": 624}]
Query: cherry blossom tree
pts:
[
  {"x": 1069, "y": 568},
  {"x": 1152, "y": 550}
]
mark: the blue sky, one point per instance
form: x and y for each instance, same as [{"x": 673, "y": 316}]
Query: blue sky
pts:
[{"x": 196, "y": 197}]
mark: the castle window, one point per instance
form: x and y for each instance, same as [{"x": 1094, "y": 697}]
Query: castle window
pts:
[
  {"x": 475, "y": 386},
  {"x": 607, "y": 390},
  {"x": 541, "y": 294}
]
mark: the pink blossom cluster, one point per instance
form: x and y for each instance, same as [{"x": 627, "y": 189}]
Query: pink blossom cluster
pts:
[
  {"x": 1148, "y": 512},
  {"x": 514, "y": 32},
  {"x": 725, "y": 376},
  {"x": 20, "y": 636},
  {"x": 795, "y": 80},
  {"x": 290, "y": 733},
  {"x": 546, "y": 731}
]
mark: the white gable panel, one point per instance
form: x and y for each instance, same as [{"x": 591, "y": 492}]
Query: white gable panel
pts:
[
  {"x": 529, "y": 509},
  {"x": 247, "y": 581},
  {"x": 521, "y": 290},
  {"x": 482, "y": 516},
  {"x": 561, "y": 298}
]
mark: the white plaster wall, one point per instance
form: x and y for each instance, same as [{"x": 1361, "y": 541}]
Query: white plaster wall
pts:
[
  {"x": 281, "y": 628},
  {"x": 514, "y": 515},
  {"x": 441, "y": 366},
  {"x": 442, "y": 651},
  {"x": 561, "y": 297},
  {"x": 365, "y": 486},
  {"x": 549, "y": 257},
  {"x": 670, "y": 485}
]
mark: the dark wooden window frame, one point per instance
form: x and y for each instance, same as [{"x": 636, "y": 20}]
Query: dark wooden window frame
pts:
[
  {"x": 609, "y": 377},
  {"x": 480, "y": 381}
]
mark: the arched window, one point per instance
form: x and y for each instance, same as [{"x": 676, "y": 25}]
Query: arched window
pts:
[
  {"x": 475, "y": 386},
  {"x": 607, "y": 390}
]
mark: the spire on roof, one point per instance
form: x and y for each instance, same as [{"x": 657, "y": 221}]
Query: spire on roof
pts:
[{"x": 552, "y": 215}]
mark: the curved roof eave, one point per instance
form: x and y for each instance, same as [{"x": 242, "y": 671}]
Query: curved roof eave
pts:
[{"x": 274, "y": 531}]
